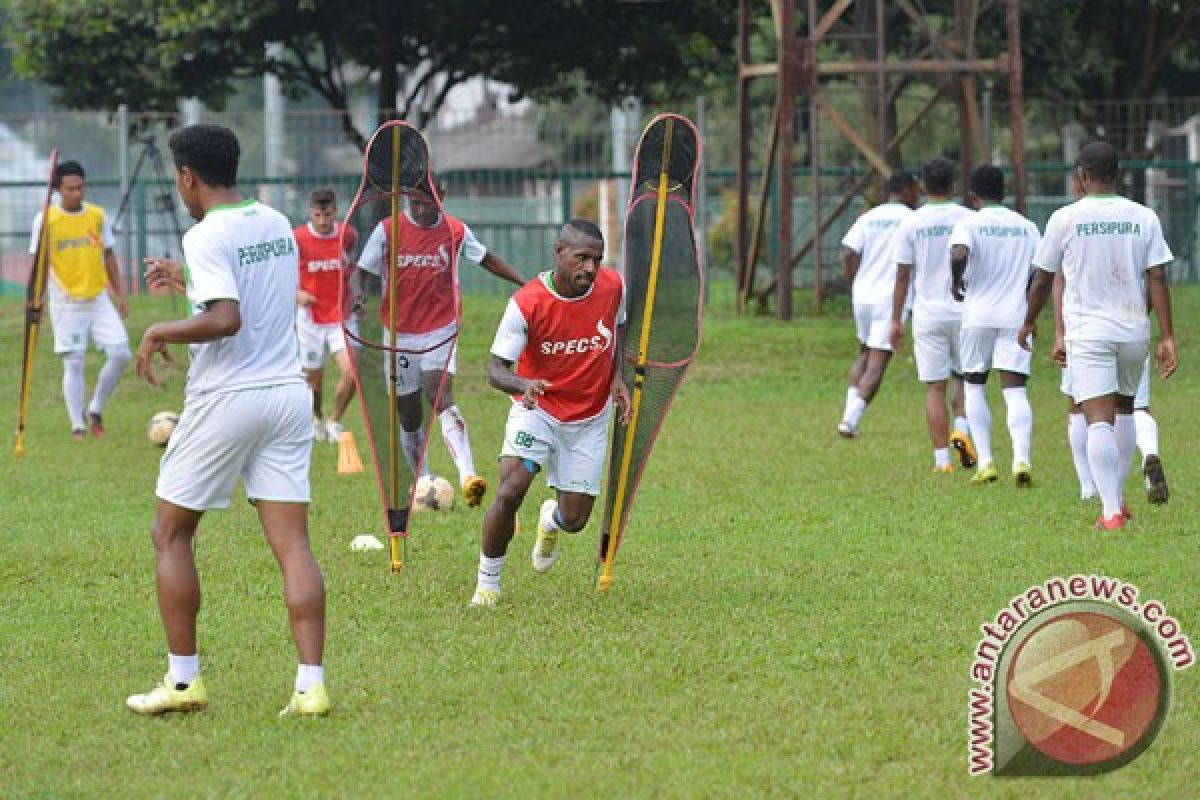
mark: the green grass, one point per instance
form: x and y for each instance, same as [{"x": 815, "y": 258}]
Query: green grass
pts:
[{"x": 794, "y": 615}]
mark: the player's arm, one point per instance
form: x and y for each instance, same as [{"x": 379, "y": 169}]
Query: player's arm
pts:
[
  {"x": 1160, "y": 298},
  {"x": 1039, "y": 292},
  {"x": 959, "y": 255},
  {"x": 851, "y": 258},
  {"x": 501, "y": 269},
  {"x": 218, "y": 319},
  {"x": 114, "y": 282},
  {"x": 899, "y": 298},
  {"x": 618, "y": 389},
  {"x": 502, "y": 377},
  {"x": 1059, "y": 351}
]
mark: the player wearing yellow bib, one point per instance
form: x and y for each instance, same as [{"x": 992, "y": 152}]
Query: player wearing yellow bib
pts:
[{"x": 82, "y": 264}]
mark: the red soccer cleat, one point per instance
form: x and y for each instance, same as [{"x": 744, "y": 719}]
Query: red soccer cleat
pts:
[
  {"x": 1114, "y": 523},
  {"x": 96, "y": 424}
]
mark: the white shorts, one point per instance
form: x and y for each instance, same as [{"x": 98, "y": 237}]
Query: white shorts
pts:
[
  {"x": 73, "y": 321},
  {"x": 1095, "y": 369},
  {"x": 318, "y": 339},
  {"x": 985, "y": 349},
  {"x": 572, "y": 453},
  {"x": 873, "y": 325},
  {"x": 936, "y": 349},
  {"x": 263, "y": 435},
  {"x": 409, "y": 366}
]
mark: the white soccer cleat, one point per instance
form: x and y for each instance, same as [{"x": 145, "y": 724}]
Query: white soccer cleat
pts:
[
  {"x": 333, "y": 431},
  {"x": 318, "y": 429},
  {"x": 846, "y": 430},
  {"x": 545, "y": 549}
]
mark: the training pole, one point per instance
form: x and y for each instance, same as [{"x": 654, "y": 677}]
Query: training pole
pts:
[{"x": 393, "y": 437}]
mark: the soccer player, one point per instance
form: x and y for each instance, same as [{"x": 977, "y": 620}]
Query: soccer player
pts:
[
  {"x": 419, "y": 327},
  {"x": 79, "y": 242},
  {"x": 923, "y": 253},
  {"x": 868, "y": 257},
  {"x": 563, "y": 331},
  {"x": 247, "y": 413},
  {"x": 991, "y": 257},
  {"x": 1113, "y": 257},
  {"x": 319, "y": 318}
]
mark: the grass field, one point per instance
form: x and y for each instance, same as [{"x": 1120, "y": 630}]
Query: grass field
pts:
[{"x": 794, "y": 615}]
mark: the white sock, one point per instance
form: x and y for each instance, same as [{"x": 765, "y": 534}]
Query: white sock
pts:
[
  {"x": 74, "y": 387},
  {"x": 308, "y": 676},
  {"x": 413, "y": 443},
  {"x": 941, "y": 457},
  {"x": 548, "y": 517},
  {"x": 1126, "y": 433},
  {"x": 851, "y": 396},
  {"x": 110, "y": 374},
  {"x": 489, "y": 572},
  {"x": 1103, "y": 458},
  {"x": 1020, "y": 423},
  {"x": 854, "y": 411},
  {"x": 980, "y": 421},
  {"x": 454, "y": 434},
  {"x": 183, "y": 669},
  {"x": 961, "y": 425},
  {"x": 1147, "y": 433},
  {"x": 1077, "y": 435}
]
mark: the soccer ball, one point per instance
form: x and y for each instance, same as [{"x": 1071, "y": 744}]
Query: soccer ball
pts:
[
  {"x": 433, "y": 493},
  {"x": 161, "y": 426}
]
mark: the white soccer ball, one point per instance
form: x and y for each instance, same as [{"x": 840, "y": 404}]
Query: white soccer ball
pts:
[
  {"x": 434, "y": 493},
  {"x": 161, "y": 426}
]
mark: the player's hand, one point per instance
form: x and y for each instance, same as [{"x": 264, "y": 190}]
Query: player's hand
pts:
[
  {"x": 1025, "y": 336},
  {"x": 897, "y": 336},
  {"x": 163, "y": 273},
  {"x": 1059, "y": 352},
  {"x": 958, "y": 290},
  {"x": 144, "y": 360},
  {"x": 533, "y": 390},
  {"x": 620, "y": 396},
  {"x": 1167, "y": 357},
  {"x": 304, "y": 299}
]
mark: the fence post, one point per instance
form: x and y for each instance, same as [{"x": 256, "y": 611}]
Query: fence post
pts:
[
  {"x": 131, "y": 271},
  {"x": 564, "y": 178},
  {"x": 139, "y": 215},
  {"x": 1192, "y": 220}
]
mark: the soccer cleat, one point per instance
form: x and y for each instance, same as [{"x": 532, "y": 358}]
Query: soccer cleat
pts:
[
  {"x": 966, "y": 451},
  {"x": 985, "y": 474},
  {"x": 95, "y": 423},
  {"x": 545, "y": 549},
  {"x": 485, "y": 598},
  {"x": 169, "y": 697},
  {"x": 1126, "y": 512},
  {"x": 333, "y": 432},
  {"x": 474, "y": 488},
  {"x": 846, "y": 430},
  {"x": 1021, "y": 475},
  {"x": 318, "y": 429},
  {"x": 1156, "y": 481},
  {"x": 944, "y": 469},
  {"x": 1114, "y": 523},
  {"x": 313, "y": 703},
  {"x": 79, "y": 434}
]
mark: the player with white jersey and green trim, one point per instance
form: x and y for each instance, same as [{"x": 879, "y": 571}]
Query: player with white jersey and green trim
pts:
[
  {"x": 246, "y": 413},
  {"x": 1113, "y": 258}
]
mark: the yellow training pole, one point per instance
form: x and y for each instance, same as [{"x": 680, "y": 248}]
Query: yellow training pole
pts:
[
  {"x": 639, "y": 375},
  {"x": 39, "y": 288},
  {"x": 393, "y": 463}
]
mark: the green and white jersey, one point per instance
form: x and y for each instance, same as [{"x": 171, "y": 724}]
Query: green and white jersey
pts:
[
  {"x": 244, "y": 252},
  {"x": 1104, "y": 244},
  {"x": 872, "y": 236},
  {"x": 921, "y": 241},
  {"x": 1001, "y": 244}
]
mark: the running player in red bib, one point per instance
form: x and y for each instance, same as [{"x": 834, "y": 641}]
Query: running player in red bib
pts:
[
  {"x": 323, "y": 279},
  {"x": 425, "y": 331},
  {"x": 563, "y": 331}
]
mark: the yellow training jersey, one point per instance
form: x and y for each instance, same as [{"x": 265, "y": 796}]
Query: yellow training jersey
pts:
[{"x": 76, "y": 246}]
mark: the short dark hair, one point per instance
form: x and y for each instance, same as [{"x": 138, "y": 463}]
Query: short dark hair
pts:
[
  {"x": 210, "y": 151},
  {"x": 1101, "y": 161},
  {"x": 581, "y": 226},
  {"x": 66, "y": 168},
  {"x": 322, "y": 198},
  {"x": 987, "y": 182},
  {"x": 939, "y": 176},
  {"x": 900, "y": 180}
]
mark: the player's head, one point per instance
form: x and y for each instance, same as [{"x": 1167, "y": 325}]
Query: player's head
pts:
[
  {"x": 939, "y": 177},
  {"x": 1098, "y": 166},
  {"x": 206, "y": 158},
  {"x": 425, "y": 210},
  {"x": 987, "y": 184},
  {"x": 902, "y": 186},
  {"x": 70, "y": 182},
  {"x": 578, "y": 252},
  {"x": 322, "y": 210}
]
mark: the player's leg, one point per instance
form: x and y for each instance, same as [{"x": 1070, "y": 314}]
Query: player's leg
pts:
[
  {"x": 1131, "y": 361},
  {"x": 960, "y": 434},
  {"x": 935, "y": 419},
  {"x": 406, "y": 373},
  {"x": 312, "y": 361},
  {"x": 854, "y": 403},
  {"x": 1147, "y": 441},
  {"x": 1013, "y": 364},
  {"x": 1077, "y": 433},
  {"x": 574, "y": 469},
  {"x": 109, "y": 334},
  {"x": 931, "y": 349},
  {"x": 1094, "y": 384},
  {"x": 438, "y": 371},
  {"x": 879, "y": 353},
  {"x": 344, "y": 392},
  {"x": 69, "y": 322},
  {"x": 977, "y": 345}
]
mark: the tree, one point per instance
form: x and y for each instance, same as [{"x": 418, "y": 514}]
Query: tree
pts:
[{"x": 150, "y": 53}]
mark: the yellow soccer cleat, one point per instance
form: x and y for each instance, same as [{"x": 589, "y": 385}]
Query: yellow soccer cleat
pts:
[
  {"x": 313, "y": 703},
  {"x": 485, "y": 598},
  {"x": 474, "y": 488},
  {"x": 944, "y": 469},
  {"x": 545, "y": 549},
  {"x": 1021, "y": 475},
  {"x": 966, "y": 452},
  {"x": 166, "y": 697},
  {"x": 985, "y": 474}
]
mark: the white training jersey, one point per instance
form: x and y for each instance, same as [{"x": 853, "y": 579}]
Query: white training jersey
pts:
[
  {"x": 1000, "y": 245},
  {"x": 244, "y": 252},
  {"x": 1104, "y": 244},
  {"x": 871, "y": 237},
  {"x": 374, "y": 250},
  {"x": 921, "y": 241}
]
